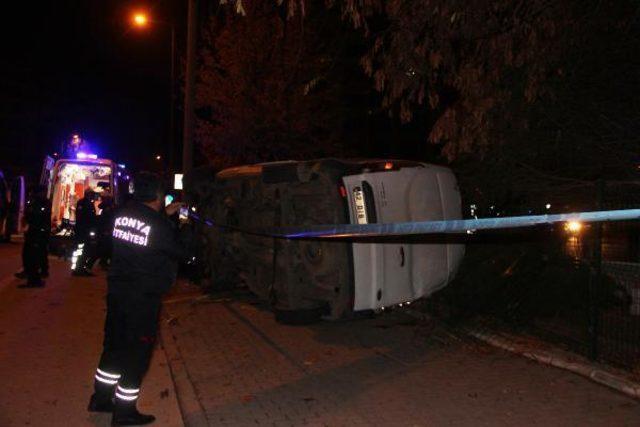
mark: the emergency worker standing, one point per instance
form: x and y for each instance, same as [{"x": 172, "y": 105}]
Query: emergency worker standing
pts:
[
  {"x": 36, "y": 239},
  {"x": 85, "y": 229},
  {"x": 146, "y": 251}
]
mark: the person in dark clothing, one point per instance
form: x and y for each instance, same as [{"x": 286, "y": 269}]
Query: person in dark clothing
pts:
[
  {"x": 36, "y": 238},
  {"x": 146, "y": 250},
  {"x": 43, "y": 265},
  {"x": 27, "y": 250},
  {"x": 105, "y": 227},
  {"x": 5, "y": 235},
  {"x": 85, "y": 235}
]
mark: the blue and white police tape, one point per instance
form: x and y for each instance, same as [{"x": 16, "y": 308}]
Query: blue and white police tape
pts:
[{"x": 412, "y": 228}]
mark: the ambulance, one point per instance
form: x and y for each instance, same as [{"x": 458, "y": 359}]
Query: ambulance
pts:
[{"x": 69, "y": 179}]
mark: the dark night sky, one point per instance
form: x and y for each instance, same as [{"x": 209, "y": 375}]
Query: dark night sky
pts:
[{"x": 77, "y": 66}]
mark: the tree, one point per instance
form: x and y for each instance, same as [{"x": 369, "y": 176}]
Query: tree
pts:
[
  {"x": 473, "y": 61},
  {"x": 272, "y": 87},
  {"x": 584, "y": 130},
  {"x": 528, "y": 98},
  {"x": 535, "y": 100}
]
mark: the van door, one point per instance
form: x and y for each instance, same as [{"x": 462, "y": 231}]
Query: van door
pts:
[
  {"x": 382, "y": 271},
  {"x": 392, "y": 273}
]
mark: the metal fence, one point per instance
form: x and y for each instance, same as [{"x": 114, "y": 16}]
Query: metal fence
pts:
[{"x": 577, "y": 288}]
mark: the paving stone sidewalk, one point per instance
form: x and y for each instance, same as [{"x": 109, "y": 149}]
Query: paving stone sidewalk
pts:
[{"x": 248, "y": 370}]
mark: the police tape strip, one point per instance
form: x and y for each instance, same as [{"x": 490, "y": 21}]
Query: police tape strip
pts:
[{"x": 458, "y": 226}]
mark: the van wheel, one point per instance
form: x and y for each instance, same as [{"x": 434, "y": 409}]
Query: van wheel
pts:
[{"x": 298, "y": 317}]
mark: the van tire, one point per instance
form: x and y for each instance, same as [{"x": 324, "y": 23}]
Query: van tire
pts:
[{"x": 298, "y": 317}]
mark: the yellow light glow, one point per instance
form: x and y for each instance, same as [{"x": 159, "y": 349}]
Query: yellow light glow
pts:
[
  {"x": 573, "y": 226},
  {"x": 140, "y": 19}
]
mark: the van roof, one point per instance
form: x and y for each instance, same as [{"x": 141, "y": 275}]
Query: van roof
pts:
[{"x": 256, "y": 169}]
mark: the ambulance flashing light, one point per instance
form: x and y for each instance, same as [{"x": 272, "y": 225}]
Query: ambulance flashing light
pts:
[{"x": 81, "y": 155}]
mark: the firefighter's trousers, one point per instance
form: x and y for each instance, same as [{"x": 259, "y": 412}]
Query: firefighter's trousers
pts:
[{"x": 129, "y": 337}]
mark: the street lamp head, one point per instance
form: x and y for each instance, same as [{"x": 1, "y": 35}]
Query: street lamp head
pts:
[{"x": 140, "y": 19}]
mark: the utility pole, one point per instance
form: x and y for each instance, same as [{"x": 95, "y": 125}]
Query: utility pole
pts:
[
  {"x": 172, "y": 112},
  {"x": 189, "y": 93}
]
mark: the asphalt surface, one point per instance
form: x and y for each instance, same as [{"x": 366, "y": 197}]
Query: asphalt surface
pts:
[
  {"x": 241, "y": 368},
  {"x": 50, "y": 341}
]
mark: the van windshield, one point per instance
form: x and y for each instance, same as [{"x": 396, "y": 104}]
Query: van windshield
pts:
[{"x": 70, "y": 183}]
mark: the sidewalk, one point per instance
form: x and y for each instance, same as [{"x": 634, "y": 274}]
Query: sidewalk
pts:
[
  {"x": 247, "y": 370},
  {"x": 50, "y": 341}
]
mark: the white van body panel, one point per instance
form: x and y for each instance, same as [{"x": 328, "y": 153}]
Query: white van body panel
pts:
[{"x": 392, "y": 273}]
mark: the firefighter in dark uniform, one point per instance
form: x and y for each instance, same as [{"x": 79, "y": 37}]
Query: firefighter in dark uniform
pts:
[
  {"x": 85, "y": 233},
  {"x": 146, "y": 250},
  {"x": 36, "y": 239}
]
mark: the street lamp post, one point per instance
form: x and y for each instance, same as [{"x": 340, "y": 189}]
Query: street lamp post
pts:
[
  {"x": 172, "y": 113},
  {"x": 190, "y": 83},
  {"x": 142, "y": 20}
]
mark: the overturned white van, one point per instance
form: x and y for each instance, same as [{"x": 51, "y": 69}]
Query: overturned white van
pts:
[{"x": 332, "y": 278}]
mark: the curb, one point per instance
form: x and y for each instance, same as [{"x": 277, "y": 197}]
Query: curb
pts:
[
  {"x": 553, "y": 357},
  {"x": 559, "y": 359},
  {"x": 193, "y": 414}
]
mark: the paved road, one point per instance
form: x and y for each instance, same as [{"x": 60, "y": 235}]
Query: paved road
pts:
[
  {"x": 248, "y": 370},
  {"x": 49, "y": 345}
]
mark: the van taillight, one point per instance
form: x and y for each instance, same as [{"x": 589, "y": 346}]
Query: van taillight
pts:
[{"x": 343, "y": 191}]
